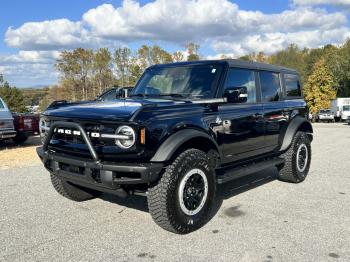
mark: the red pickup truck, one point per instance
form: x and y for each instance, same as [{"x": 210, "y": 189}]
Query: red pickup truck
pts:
[{"x": 26, "y": 125}]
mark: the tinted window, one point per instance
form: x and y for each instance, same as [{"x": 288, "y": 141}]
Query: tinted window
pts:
[
  {"x": 109, "y": 96},
  {"x": 270, "y": 86},
  {"x": 292, "y": 85},
  {"x": 242, "y": 78}
]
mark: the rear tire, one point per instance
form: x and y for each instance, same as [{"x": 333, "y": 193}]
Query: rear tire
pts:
[
  {"x": 297, "y": 159},
  {"x": 72, "y": 192},
  {"x": 181, "y": 202}
]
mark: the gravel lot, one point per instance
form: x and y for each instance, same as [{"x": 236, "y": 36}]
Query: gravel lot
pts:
[{"x": 260, "y": 219}]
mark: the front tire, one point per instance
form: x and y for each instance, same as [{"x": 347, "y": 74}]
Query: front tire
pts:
[
  {"x": 181, "y": 202},
  {"x": 72, "y": 192},
  {"x": 297, "y": 159}
]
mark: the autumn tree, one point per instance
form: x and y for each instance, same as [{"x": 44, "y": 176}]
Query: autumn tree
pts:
[
  {"x": 102, "y": 66},
  {"x": 152, "y": 55},
  {"x": 122, "y": 61},
  {"x": 192, "y": 50},
  {"x": 75, "y": 68},
  {"x": 178, "y": 56},
  {"x": 292, "y": 57},
  {"x": 319, "y": 89}
]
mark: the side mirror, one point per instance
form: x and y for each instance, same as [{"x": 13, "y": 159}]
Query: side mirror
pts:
[
  {"x": 120, "y": 93},
  {"x": 236, "y": 94}
]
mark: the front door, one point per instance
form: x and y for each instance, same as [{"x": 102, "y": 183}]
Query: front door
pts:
[{"x": 242, "y": 123}]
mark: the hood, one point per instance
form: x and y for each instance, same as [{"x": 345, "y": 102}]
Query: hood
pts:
[{"x": 114, "y": 110}]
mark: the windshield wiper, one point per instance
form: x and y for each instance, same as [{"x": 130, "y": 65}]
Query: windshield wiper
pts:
[{"x": 172, "y": 95}]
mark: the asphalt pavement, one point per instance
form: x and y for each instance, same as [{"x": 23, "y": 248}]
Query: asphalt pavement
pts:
[{"x": 260, "y": 219}]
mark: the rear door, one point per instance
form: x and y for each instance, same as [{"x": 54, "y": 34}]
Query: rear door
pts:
[
  {"x": 242, "y": 123},
  {"x": 275, "y": 115}
]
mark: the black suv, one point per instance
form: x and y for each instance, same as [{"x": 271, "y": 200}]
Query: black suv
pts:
[{"x": 186, "y": 128}]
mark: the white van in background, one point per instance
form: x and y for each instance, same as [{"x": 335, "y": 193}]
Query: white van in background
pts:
[{"x": 341, "y": 108}]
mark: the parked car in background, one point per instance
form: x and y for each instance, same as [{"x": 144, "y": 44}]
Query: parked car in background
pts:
[
  {"x": 26, "y": 125},
  {"x": 7, "y": 130},
  {"x": 115, "y": 93},
  {"x": 341, "y": 108},
  {"x": 325, "y": 115}
]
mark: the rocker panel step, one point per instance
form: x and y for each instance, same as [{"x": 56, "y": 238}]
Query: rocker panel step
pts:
[{"x": 227, "y": 174}]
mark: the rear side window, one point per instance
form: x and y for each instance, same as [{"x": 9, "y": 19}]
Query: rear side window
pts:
[
  {"x": 270, "y": 86},
  {"x": 293, "y": 88},
  {"x": 242, "y": 78},
  {"x": 1, "y": 105}
]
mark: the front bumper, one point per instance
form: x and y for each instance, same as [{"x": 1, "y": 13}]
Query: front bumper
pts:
[
  {"x": 94, "y": 173},
  {"x": 5, "y": 134},
  {"x": 326, "y": 117},
  {"x": 99, "y": 175}
]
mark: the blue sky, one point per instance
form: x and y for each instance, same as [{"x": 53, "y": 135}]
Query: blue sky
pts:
[{"x": 34, "y": 32}]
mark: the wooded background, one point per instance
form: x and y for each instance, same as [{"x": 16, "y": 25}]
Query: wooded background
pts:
[{"x": 86, "y": 73}]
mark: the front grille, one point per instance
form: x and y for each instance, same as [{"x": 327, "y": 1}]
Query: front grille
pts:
[{"x": 66, "y": 141}]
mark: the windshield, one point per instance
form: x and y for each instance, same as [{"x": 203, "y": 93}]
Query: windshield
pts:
[
  {"x": 325, "y": 111},
  {"x": 181, "y": 82},
  {"x": 346, "y": 108}
]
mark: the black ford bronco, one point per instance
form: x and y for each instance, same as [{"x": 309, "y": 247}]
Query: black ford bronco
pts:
[{"x": 185, "y": 128}]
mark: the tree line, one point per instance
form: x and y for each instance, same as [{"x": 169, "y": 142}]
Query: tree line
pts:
[
  {"x": 12, "y": 96},
  {"x": 85, "y": 73},
  {"x": 325, "y": 71}
]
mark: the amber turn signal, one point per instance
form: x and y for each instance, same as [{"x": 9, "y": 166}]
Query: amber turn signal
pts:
[{"x": 143, "y": 136}]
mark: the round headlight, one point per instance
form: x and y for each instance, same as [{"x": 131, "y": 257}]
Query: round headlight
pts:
[
  {"x": 127, "y": 137},
  {"x": 44, "y": 127}
]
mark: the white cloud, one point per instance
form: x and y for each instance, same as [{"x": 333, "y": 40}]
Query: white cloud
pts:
[
  {"x": 31, "y": 57},
  {"x": 272, "y": 42},
  {"x": 219, "y": 24},
  {"x": 51, "y": 35},
  {"x": 28, "y": 75},
  {"x": 344, "y": 3}
]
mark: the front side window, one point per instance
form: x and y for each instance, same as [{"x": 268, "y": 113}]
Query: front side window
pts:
[
  {"x": 346, "y": 108},
  {"x": 242, "y": 78},
  {"x": 270, "y": 86},
  {"x": 292, "y": 85},
  {"x": 183, "y": 81},
  {"x": 109, "y": 96}
]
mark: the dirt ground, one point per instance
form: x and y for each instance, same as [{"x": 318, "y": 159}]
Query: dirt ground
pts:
[{"x": 12, "y": 155}]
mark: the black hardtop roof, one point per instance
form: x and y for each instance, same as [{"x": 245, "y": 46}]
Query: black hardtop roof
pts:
[{"x": 233, "y": 63}]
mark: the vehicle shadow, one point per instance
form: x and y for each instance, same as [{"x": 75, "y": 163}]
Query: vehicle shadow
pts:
[
  {"x": 225, "y": 191},
  {"x": 32, "y": 141}
]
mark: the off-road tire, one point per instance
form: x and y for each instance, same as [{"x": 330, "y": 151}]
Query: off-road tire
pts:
[
  {"x": 289, "y": 172},
  {"x": 72, "y": 192},
  {"x": 20, "y": 139},
  {"x": 163, "y": 198}
]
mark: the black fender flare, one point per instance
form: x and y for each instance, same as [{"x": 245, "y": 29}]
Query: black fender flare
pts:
[
  {"x": 175, "y": 141},
  {"x": 293, "y": 126}
]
